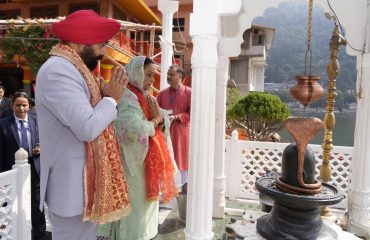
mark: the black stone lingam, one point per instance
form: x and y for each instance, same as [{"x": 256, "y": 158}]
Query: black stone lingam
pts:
[{"x": 296, "y": 193}]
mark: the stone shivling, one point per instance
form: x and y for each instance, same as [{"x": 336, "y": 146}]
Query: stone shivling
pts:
[{"x": 296, "y": 193}]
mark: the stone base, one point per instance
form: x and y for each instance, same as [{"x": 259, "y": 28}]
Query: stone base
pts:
[
  {"x": 325, "y": 233},
  {"x": 246, "y": 230},
  {"x": 290, "y": 223}
]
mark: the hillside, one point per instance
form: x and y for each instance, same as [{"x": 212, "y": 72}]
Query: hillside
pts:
[{"x": 286, "y": 57}]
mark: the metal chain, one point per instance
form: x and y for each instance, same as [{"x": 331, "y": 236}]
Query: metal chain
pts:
[
  {"x": 309, "y": 27},
  {"x": 309, "y": 34}
]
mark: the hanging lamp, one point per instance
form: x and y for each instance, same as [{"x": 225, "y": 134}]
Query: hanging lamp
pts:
[{"x": 307, "y": 90}]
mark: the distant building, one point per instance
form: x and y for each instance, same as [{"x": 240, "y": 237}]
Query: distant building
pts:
[
  {"x": 352, "y": 106},
  {"x": 277, "y": 87},
  {"x": 248, "y": 69}
]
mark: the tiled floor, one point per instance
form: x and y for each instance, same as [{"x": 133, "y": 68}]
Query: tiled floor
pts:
[{"x": 173, "y": 228}]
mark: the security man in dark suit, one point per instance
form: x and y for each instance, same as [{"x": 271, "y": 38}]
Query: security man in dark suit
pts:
[{"x": 16, "y": 131}]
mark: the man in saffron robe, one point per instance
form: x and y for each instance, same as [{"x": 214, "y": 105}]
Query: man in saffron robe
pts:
[{"x": 177, "y": 97}]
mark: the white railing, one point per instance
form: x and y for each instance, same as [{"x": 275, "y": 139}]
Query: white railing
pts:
[
  {"x": 248, "y": 160},
  {"x": 15, "y": 200}
]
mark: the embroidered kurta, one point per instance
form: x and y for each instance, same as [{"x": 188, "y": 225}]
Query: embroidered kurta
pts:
[
  {"x": 179, "y": 102},
  {"x": 133, "y": 131}
]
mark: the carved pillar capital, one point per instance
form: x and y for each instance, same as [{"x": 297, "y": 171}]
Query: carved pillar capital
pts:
[
  {"x": 204, "y": 51},
  {"x": 168, "y": 7}
]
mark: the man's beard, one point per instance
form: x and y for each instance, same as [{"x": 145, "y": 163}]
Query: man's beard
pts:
[{"x": 89, "y": 58}]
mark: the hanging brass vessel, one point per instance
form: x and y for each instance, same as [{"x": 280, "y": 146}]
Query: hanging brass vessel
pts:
[{"x": 307, "y": 90}]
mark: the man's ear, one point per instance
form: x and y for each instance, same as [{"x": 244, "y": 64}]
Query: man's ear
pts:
[{"x": 76, "y": 46}]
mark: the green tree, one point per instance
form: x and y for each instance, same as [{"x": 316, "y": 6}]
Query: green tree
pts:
[
  {"x": 344, "y": 80},
  {"x": 339, "y": 101},
  {"x": 233, "y": 96},
  {"x": 321, "y": 103},
  {"x": 26, "y": 42},
  {"x": 284, "y": 96},
  {"x": 349, "y": 97},
  {"x": 260, "y": 114}
]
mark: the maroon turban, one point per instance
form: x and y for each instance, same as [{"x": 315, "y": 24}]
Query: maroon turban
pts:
[{"x": 85, "y": 27}]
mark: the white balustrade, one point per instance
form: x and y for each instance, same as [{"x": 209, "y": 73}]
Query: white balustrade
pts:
[
  {"x": 15, "y": 200},
  {"x": 248, "y": 160}
]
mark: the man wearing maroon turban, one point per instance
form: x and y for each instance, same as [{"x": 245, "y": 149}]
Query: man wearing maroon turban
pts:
[{"x": 82, "y": 179}]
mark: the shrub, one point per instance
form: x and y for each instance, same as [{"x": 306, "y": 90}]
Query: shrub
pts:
[{"x": 260, "y": 114}]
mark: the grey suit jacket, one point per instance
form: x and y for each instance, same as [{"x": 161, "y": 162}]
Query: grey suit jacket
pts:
[{"x": 66, "y": 121}]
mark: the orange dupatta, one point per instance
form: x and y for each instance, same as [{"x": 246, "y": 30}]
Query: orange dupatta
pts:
[
  {"x": 159, "y": 171},
  {"x": 105, "y": 188}
]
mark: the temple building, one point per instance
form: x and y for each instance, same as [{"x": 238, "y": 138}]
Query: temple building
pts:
[{"x": 137, "y": 35}]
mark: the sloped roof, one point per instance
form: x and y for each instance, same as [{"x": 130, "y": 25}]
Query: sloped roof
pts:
[{"x": 141, "y": 11}]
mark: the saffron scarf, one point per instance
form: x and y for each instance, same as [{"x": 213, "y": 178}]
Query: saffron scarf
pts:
[
  {"x": 159, "y": 171},
  {"x": 105, "y": 188}
]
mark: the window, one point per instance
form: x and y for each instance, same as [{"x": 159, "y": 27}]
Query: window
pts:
[
  {"x": 258, "y": 38},
  {"x": 45, "y": 11},
  {"x": 178, "y": 24},
  {"x": 133, "y": 35},
  {"x": 147, "y": 36},
  {"x": 73, "y": 7},
  {"x": 8, "y": 14}
]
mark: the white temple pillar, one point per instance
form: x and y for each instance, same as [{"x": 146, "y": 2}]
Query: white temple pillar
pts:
[
  {"x": 202, "y": 137},
  {"x": 167, "y": 8},
  {"x": 359, "y": 198},
  {"x": 203, "y": 30},
  {"x": 219, "y": 173}
]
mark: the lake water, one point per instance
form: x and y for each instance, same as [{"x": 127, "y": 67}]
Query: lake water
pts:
[{"x": 343, "y": 133}]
